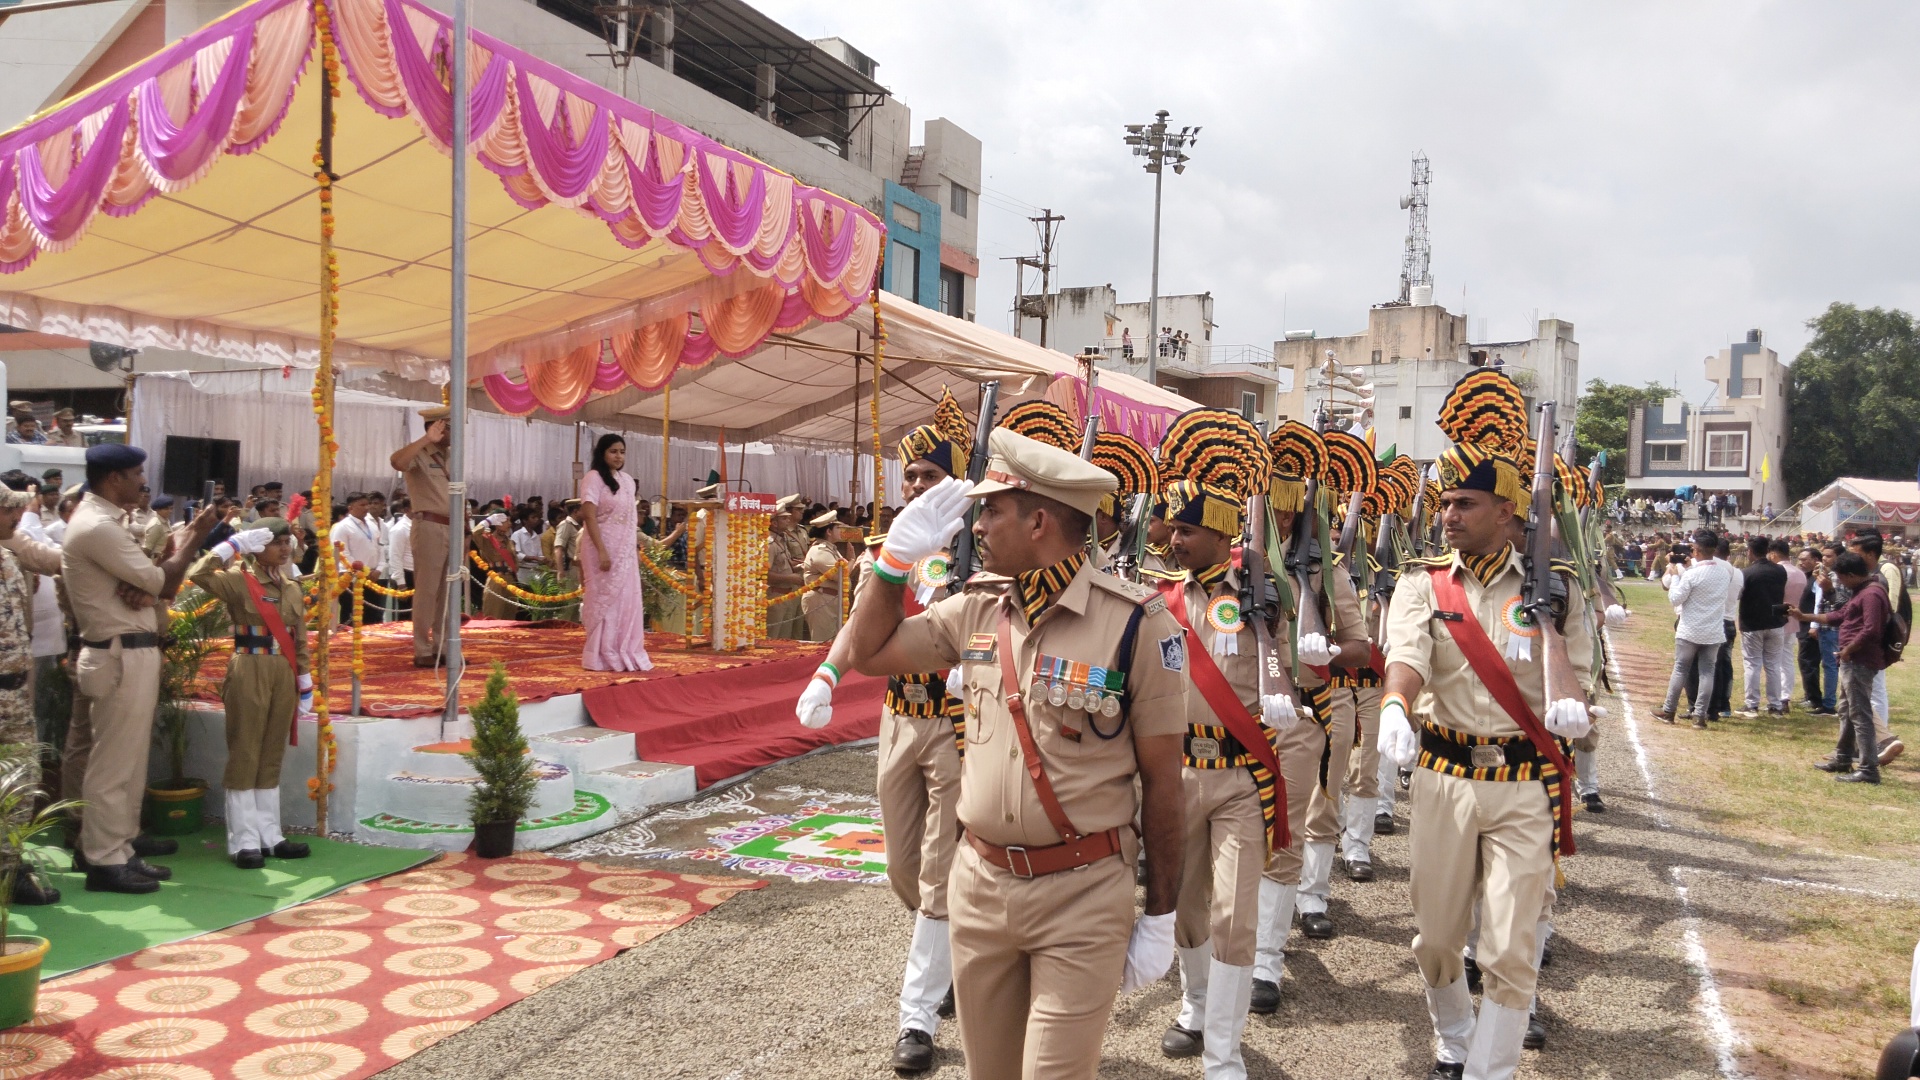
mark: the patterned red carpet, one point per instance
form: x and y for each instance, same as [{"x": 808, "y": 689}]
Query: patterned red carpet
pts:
[
  {"x": 542, "y": 658},
  {"x": 346, "y": 986}
]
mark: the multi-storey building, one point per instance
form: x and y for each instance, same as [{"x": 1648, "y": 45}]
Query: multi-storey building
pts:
[{"x": 1730, "y": 444}]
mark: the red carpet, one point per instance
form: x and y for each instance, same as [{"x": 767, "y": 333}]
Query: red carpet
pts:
[
  {"x": 344, "y": 987},
  {"x": 724, "y": 723}
]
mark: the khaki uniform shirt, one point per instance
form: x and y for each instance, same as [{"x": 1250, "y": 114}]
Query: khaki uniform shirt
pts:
[
  {"x": 154, "y": 540},
  {"x": 98, "y": 555},
  {"x": 822, "y": 558},
  {"x": 566, "y": 538},
  {"x": 426, "y": 478},
  {"x": 1242, "y": 669},
  {"x": 1453, "y": 695},
  {"x": 56, "y": 437},
  {"x": 1093, "y": 777},
  {"x": 228, "y": 584}
]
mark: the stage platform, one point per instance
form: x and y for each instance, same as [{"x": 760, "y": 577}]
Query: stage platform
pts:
[{"x": 608, "y": 744}]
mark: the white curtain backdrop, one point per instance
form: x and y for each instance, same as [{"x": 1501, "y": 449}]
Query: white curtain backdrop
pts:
[{"x": 271, "y": 415}]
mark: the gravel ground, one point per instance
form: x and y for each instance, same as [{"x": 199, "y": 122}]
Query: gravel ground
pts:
[{"x": 798, "y": 979}]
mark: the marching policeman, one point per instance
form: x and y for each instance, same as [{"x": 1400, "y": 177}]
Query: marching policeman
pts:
[
  {"x": 1488, "y": 795},
  {"x": 1074, "y": 684}
]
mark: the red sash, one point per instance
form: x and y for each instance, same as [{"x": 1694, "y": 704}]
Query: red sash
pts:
[
  {"x": 1486, "y": 661},
  {"x": 1226, "y": 705},
  {"x": 513, "y": 564},
  {"x": 270, "y": 617}
]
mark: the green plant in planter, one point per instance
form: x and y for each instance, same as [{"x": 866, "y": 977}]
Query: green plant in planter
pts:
[
  {"x": 22, "y": 818},
  {"x": 545, "y": 584},
  {"x": 499, "y": 755},
  {"x": 193, "y": 639}
]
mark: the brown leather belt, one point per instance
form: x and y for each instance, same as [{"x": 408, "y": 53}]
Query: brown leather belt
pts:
[
  {"x": 1026, "y": 862},
  {"x": 437, "y": 519}
]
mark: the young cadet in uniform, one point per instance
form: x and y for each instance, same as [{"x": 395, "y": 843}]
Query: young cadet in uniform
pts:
[
  {"x": 921, "y": 734},
  {"x": 1044, "y": 930},
  {"x": 1299, "y": 456},
  {"x": 267, "y": 680},
  {"x": 423, "y": 462},
  {"x": 1399, "y": 482},
  {"x": 1350, "y": 469},
  {"x": 1159, "y": 563},
  {"x": 822, "y": 605},
  {"x": 1489, "y": 796},
  {"x": 1213, "y": 460}
]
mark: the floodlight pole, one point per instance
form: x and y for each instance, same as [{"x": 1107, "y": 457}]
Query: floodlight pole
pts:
[
  {"x": 1153, "y": 297},
  {"x": 1161, "y": 148},
  {"x": 456, "y": 569}
]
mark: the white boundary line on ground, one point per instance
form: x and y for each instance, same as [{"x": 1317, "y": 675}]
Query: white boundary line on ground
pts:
[{"x": 1719, "y": 1025}]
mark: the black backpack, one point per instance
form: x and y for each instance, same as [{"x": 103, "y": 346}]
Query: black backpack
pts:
[{"x": 1893, "y": 636}]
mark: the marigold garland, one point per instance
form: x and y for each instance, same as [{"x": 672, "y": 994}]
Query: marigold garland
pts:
[
  {"x": 804, "y": 589},
  {"x": 514, "y": 590},
  {"x": 325, "y": 756},
  {"x": 879, "y": 359}
]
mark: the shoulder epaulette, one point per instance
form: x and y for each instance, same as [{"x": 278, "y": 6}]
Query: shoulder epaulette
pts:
[
  {"x": 876, "y": 540},
  {"x": 1429, "y": 562},
  {"x": 1339, "y": 558},
  {"x": 983, "y": 581},
  {"x": 1562, "y": 566},
  {"x": 1162, "y": 575},
  {"x": 1132, "y": 592}
]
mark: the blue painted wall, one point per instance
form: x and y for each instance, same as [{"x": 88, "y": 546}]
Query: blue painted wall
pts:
[{"x": 925, "y": 240}]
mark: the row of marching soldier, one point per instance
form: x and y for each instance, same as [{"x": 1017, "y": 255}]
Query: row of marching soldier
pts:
[{"x": 1208, "y": 662}]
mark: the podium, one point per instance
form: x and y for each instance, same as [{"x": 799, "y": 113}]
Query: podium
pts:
[{"x": 740, "y": 563}]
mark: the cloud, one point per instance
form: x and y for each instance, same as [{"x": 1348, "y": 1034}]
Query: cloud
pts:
[{"x": 1663, "y": 175}]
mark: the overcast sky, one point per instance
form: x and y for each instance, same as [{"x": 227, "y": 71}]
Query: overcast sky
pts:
[{"x": 1665, "y": 175}]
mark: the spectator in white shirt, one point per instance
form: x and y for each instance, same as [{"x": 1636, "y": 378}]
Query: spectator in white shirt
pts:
[
  {"x": 357, "y": 537},
  {"x": 1701, "y": 600},
  {"x": 526, "y": 545},
  {"x": 400, "y": 558}
]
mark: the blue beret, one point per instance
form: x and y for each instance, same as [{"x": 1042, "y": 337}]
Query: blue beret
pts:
[
  {"x": 115, "y": 456},
  {"x": 161, "y": 502}
]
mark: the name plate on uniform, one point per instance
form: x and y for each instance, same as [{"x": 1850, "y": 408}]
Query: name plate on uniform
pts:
[
  {"x": 1488, "y": 757},
  {"x": 1199, "y": 747},
  {"x": 916, "y": 693},
  {"x": 980, "y": 648}
]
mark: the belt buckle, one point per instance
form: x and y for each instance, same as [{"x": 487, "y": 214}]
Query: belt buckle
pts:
[
  {"x": 1019, "y": 853},
  {"x": 1202, "y": 747},
  {"x": 1488, "y": 756},
  {"x": 916, "y": 693}
]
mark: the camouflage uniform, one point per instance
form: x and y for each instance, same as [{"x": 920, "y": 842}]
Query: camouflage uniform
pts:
[{"x": 16, "y": 652}]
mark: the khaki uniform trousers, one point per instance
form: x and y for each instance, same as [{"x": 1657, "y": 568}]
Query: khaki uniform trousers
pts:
[
  {"x": 1484, "y": 841},
  {"x": 78, "y": 749},
  {"x": 919, "y": 790},
  {"x": 429, "y": 586},
  {"x": 785, "y": 622},
  {"x": 823, "y": 615},
  {"x": 1363, "y": 768},
  {"x": 124, "y": 688},
  {"x": 1226, "y": 848},
  {"x": 260, "y": 697},
  {"x": 1324, "y": 820},
  {"x": 1036, "y": 965},
  {"x": 1300, "y": 748}
]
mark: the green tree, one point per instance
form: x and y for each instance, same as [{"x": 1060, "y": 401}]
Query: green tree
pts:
[
  {"x": 499, "y": 755},
  {"x": 1853, "y": 396},
  {"x": 1601, "y": 423}
]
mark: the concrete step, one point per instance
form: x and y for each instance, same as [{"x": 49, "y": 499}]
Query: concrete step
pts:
[
  {"x": 442, "y": 799},
  {"x": 590, "y": 813},
  {"x": 584, "y": 749},
  {"x": 638, "y": 785}
]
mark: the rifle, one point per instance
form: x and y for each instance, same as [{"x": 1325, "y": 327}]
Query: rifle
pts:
[
  {"x": 1350, "y": 527},
  {"x": 1387, "y": 554},
  {"x": 963, "y": 551},
  {"x": 1417, "y": 521},
  {"x": 1133, "y": 538},
  {"x": 1537, "y": 594},
  {"x": 1301, "y": 553},
  {"x": 1260, "y": 602}
]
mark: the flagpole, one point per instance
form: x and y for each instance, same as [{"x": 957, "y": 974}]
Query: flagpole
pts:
[{"x": 456, "y": 568}]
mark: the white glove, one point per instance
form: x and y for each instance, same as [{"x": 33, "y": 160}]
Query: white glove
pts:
[
  {"x": 1397, "y": 742},
  {"x": 306, "y": 703},
  {"x": 1149, "y": 951},
  {"x": 245, "y": 542},
  {"x": 305, "y": 683},
  {"x": 1316, "y": 651},
  {"x": 1567, "y": 718},
  {"x": 956, "y": 681},
  {"x": 1277, "y": 711},
  {"x": 815, "y": 708},
  {"x": 928, "y": 522},
  {"x": 1616, "y": 615}
]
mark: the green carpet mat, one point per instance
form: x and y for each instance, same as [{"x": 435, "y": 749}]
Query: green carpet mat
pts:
[{"x": 207, "y": 892}]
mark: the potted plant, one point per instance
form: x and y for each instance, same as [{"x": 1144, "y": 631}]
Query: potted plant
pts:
[
  {"x": 500, "y": 756},
  {"x": 176, "y": 805},
  {"x": 22, "y": 820}
]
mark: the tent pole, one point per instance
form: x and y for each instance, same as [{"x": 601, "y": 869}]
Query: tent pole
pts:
[
  {"x": 323, "y": 410},
  {"x": 666, "y": 439},
  {"x": 456, "y": 568}
]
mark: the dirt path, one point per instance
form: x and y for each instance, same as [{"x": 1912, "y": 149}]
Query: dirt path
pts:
[{"x": 1654, "y": 972}]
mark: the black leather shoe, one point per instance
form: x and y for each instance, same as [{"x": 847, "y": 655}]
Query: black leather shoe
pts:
[
  {"x": 1536, "y": 1036},
  {"x": 119, "y": 879},
  {"x": 1594, "y": 805},
  {"x": 249, "y": 859},
  {"x": 1473, "y": 975},
  {"x": 1546, "y": 955},
  {"x": 290, "y": 849},
  {"x": 1448, "y": 1070},
  {"x": 1859, "y": 776},
  {"x": 1834, "y": 765},
  {"x": 154, "y": 847},
  {"x": 1266, "y": 998},
  {"x": 944, "y": 1010},
  {"x": 146, "y": 869},
  {"x": 30, "y": 891},
  {"x": 1383, "y": 824},
  {"x": 1359, "y": 871},
  {"x": 80, "y": 862},
  {"x": 1181, "y": 1042},
  {"x": 1316, "y": 925},
  {"x": 913, "y": 1051}
]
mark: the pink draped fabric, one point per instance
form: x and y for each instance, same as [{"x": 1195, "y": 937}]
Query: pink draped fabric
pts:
[
  {"x": 1147, "y": 423},
  {"x": 613, "y": 609}
]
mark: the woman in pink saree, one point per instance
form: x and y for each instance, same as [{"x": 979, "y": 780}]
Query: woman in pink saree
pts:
[{"x": 612, "y": 609}]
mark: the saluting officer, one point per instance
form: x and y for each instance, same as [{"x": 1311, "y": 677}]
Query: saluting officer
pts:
[
  {"x": 921, "y": 734},
  {"x": 1074, "y": 682},
  {"x": 424, "y": 464},
  {"x": 822, "y": 605},
  {"x": 1214, "y": 460},
  {"x": 1300, "y": 456},
  {"x": 1488, "y": 796}
]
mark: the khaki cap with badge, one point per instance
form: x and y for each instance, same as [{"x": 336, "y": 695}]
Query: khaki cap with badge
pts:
[
  {"x": 1017, "y": 463},
  {"x": 437, "y": 412}
]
